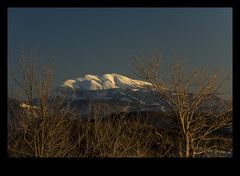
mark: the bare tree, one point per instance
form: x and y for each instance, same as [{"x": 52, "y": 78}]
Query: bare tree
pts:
[
  {"x": 41, "y": 128},
  {"x": 191, "y": 95}
]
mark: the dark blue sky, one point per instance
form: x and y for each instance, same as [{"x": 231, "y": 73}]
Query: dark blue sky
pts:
[{"x": 105, "y": 40}]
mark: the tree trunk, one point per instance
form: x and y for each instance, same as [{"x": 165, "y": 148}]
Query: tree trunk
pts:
[{"x": 187, "y": 146}]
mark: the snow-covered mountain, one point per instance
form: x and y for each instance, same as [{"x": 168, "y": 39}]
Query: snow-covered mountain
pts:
[
  {"x": 117, "y": 92},
  {"x": 106, "y": 81},
  {"x": 114, "y": 93}
]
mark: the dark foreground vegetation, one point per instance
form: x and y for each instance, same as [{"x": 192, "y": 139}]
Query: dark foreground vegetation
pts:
[
  {"x": 61, "y": 133},
  {"x": 119, "y": 135}
]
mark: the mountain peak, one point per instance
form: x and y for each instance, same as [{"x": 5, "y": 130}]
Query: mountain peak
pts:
[{"x": 106, "y": 81}]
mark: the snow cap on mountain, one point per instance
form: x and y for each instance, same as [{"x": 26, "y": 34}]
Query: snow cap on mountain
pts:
[{"x": 106, "y": 81}]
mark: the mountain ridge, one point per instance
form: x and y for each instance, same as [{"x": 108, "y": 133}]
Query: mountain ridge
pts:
[{"x": 106, "y": 81}]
